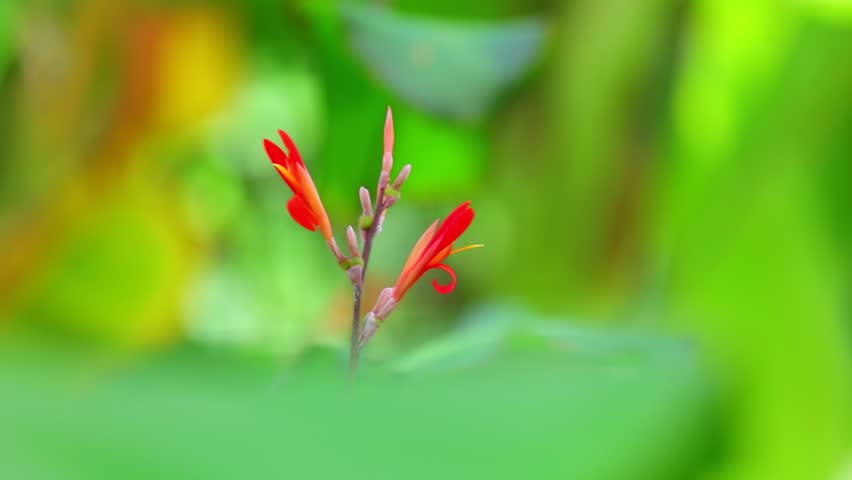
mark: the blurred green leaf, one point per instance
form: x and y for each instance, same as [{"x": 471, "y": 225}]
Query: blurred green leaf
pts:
[
  {"x": 454, "y": 69},
  {"x": 488, "y": 332},
  {"x": 7, "y": 20},
  {"x": 753, "y": 267},
  {"x": 194, "y": 413}
]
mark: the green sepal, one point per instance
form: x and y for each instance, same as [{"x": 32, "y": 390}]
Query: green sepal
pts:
[{"x": 348, "y": 263}]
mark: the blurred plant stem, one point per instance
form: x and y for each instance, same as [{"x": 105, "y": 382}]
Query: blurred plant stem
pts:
[{"x": 369, "y": 236}]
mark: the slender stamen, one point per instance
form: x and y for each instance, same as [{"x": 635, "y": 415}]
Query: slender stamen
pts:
[{"x": 469, "y": 247}]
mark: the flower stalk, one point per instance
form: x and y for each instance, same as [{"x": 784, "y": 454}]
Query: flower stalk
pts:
[{"x": 431, "y": 250}]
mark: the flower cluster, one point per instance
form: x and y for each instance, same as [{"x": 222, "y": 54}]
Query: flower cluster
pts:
[
  {"x": 430, "y": 252},
  {"x": 434, "y": 246}
]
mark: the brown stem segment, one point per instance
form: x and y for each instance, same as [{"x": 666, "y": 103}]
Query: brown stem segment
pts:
[
  {"x": 354, "y": 350},
  {"x": 369, "y": 236}
]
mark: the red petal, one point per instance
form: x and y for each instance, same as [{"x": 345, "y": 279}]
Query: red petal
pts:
[
  {"x": 295, "y": 156},
  {"x": 454, "y": 226},
  {"x": 275, "y": 153},
  {"x": 301, "y": 213},
  {"x": 445, "y": 289}
]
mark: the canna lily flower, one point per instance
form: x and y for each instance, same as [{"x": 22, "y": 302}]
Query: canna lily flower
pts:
[
  {"x": 305, "y": 207},
  {"x": 430, "y": 252}
]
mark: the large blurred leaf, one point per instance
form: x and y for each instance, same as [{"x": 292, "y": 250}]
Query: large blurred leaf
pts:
[
  {"x": 455, "y": 69},
  {"x": 582, "y": 152},
  {"x": 7, "y": 18},
  {"x": 753, "y": 267},
  {"x": 201, "y": 414},
  {"x": 488, "y": 332}
]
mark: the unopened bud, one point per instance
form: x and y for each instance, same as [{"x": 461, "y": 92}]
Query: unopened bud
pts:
[
  {"x": 402, "y": 177},
  {"x": 386, "y": 304},
  {"x": 353, "y": 241},
  {"x": 370, "y": 327},
  {"x": 366, "y": 201},
  {"x": 384, "y": 296},
  {"x": 389, "y": 136}
]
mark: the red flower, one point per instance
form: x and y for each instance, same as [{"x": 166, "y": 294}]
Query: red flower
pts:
[
  {"x": 433, "y": 248},
  {"x": 305, "y": 207},
  {"x": 429, "y": 252}
]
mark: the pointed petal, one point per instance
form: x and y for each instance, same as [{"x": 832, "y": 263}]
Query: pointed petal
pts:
[
  {"x": 457, "y": 223},
  {"x": 295, "y": 156},
  {"x": 420, "y": 245},
  {"x": 453, "y": 227},
  {"x": 413, "y": 268},
  {"x": 275, "y": 153},
  {"x": 445, "y": 289},
  {"x": 312, "y": 199},
  {"x": 301, "y": 213}
]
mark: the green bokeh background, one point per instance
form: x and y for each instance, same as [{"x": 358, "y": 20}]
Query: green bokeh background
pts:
[{"x": 664, "y": 189}]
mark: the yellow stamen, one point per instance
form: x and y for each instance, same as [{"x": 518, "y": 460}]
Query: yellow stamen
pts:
[{"x": 469, "y": 247}]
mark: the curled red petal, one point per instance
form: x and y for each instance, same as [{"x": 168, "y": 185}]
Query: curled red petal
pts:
[
  {"x": 302, "y": 213},
  {"x": 445, "y": 289}
]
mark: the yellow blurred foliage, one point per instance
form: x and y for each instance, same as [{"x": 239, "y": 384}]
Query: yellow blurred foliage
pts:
[{"x": 198, "y": 68}]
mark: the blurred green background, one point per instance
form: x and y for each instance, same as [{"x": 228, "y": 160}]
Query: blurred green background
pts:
[{"x": 664, "y": 188}]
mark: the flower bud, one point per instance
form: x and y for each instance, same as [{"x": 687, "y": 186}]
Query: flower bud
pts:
[
  {"x": 385, "y": 304},
  {"x": 354, "y": 248},
  {"x": 402, "y": 177},
  {"x": 389, "y": 135},
  {"x": 370, "y": 327},
  {"x": 366, "y": 201}
]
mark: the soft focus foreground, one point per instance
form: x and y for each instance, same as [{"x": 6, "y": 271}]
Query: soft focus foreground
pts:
[{"x": 664, "y": 188}]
